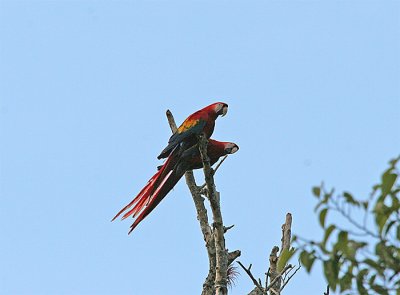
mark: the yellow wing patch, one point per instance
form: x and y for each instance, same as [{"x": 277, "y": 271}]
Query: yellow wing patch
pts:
[{"x": 187, "y": 125}]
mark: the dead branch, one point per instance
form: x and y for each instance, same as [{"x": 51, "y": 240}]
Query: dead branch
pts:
[
  {"x": 226, "y": 228},
  {"x": 233, "y": 255},
  {"x": 273, "y": 270},
  {"x": 258, "y": 283},
  {"x": 213, "y": 171},
  {"x": 219, "y": 258},
  {"x": 218, "y": 226},
  {"x": 208, "y": 285},
  {"x": 248, "y": 271},
  {"x": 290, "y": 277},
  {"x": 278, "y": 279},
  {"x": 171, "y": 121},
  {"x": 274, "y": 259},
  {"x": 286, "y": 233}
]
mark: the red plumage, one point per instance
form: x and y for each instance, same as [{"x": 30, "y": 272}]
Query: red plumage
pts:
[
  {"x": 168, "y": 175},
  {"x": 198, "y": 122}
]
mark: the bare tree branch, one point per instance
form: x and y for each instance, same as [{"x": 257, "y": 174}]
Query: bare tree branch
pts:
[
  {"x": 219, "y": 258},
  {"x": 286, "y": 233},
  {"x": 258, "y": 284},
  {"x": 218, "y": 226},
  {"x": 277, "y": 278},
  {"x": 171, "y": 121},
  {"x": 233, "y": 255},
  {"x": 213, "y": 171},
  {"x": 290, "y": 277},
  {"x": 208, "y": 285},
  {"x": 219, "y": 164},
  {"x": 274, "y": 258},
  {"x": 273, "y": 269},
  {"x": 248, "y": 271},
  {"x": 226, "y": 228}
]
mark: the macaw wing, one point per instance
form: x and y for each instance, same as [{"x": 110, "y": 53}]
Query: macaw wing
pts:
[
  {"x": 186, "y": 131},
  {"x": 190, "y": 153}
]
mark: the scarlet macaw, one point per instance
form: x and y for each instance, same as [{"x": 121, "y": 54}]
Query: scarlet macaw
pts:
[
  {"x": 198, "y": 122},
  {"x": 169, "y": 174}
]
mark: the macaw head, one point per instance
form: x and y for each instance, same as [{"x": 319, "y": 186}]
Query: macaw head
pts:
[
  {"x": 218, "y": 149},
  {"x": 219, "y": 108},
  {"x": 230, "y": 148}
]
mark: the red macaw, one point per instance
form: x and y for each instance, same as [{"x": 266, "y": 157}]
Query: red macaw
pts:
[
  {"x": 169, "y": 174},
  {"x": 198, "y": 122}
]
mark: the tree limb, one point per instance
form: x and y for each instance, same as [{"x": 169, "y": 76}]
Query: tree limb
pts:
[
  {"x": 233, "y": 255},
  {"x": 286, "y": 233},
  {"x": 248, "y": 271},
  {"x": 208, "y": 285},
  {"x": 218, "y": 226},
  {"x": 274, "y": 258},
  {"x": 277, "y": 278},
  {"x": 273, "y": 269},
  {"x": 289, "y": 278}
]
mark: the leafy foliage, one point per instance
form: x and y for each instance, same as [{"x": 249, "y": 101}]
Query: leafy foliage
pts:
[{"x": 364, "y": 255}]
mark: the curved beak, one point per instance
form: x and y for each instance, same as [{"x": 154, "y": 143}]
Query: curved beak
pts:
[
  {"x": 232, "y": 150},
  {"x": 224, "y": 111}
]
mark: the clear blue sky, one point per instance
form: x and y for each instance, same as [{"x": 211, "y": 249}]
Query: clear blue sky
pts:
[{"x": 313, "y": 89}]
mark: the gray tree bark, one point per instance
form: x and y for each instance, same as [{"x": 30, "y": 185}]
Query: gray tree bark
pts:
[{"x": 218, "y": 257}]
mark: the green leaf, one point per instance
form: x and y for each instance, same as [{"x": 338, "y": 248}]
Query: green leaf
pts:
[
  {"x": 329, "y": 274},
  {"x": 374, "y": 265},
  {"x": 398, "y": 232},
  {"x": 379, "y": 289},
  {"x": 388, "y": 180},
  {"x": 360, "y": 282},
  {"x": 350, "y": 250},
  {"x": 331, "y": 271},
  {"x": 349, "y": 198},
  {"x": 322, "y": 217},
  {"x": 342, "y": 241},
  {"x": 284, "y": 258},
  {"x": 390, "y": 224},
  {"x": 371, "y": 263},
  {"x": 365, "y": 205},
  {"x": 381, "y": 216},
  {"x": 371, "y": 280},
  {"x": 395, "y": 203},
  {"x": 381, "y": 251},
  {"x": 316, "y": 190},
  {"x": 328, "y": 232},
  {"x": 345, "y": 282},
  {"x": 307, "y": 260}
]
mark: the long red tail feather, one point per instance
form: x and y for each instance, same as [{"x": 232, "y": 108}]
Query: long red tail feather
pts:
[
  {"x": 144, "y": 191},
  {"x": 145, "y": 194},
  {"x": 156, "y": 198}
]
